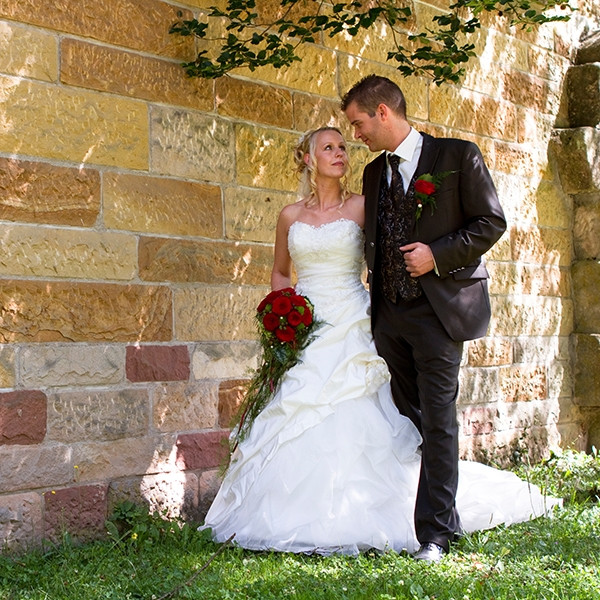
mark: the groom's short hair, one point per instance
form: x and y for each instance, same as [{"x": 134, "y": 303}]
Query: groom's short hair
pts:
[{"x": 373, "y": 90}]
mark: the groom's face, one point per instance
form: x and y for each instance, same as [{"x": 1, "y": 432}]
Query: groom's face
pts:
[{"x": 368, "y": 129}]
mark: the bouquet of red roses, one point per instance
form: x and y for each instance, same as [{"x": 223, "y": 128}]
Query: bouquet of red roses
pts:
[{"x": 285, "y": 322}]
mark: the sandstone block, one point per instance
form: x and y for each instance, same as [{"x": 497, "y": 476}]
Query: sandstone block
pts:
[
  {"x": 7, "y": 367},
  {"x": 28, "y": 52},
  {"x": 185, "y": 406},
  {"x": 577, "y": 436},
  {"x": 586, "y": 282},
  {"x": 472, "y": 112},
  {"x": 511, "y": 278},
  {"x": 173, "y": 495},
  {"x": 42, "y": 193},
  {"x": 37, "y": 311},
  {"x": 587, "y": 374},
  {"x": 312, "y": 112},
  {"x": 98, "y": 415},
  {"x": 583, "y": 93},
  {"x": 57, "y": 365},
  {"x": 192, "y": 145},
  {"x": 541, "y": 350},
  {"x": 529, "y": 315},
  {"x": 586, "y": 232},
  {"x": 100, "y": 461},
  {"x": 488, "y": 352},
  {"x": 560, "y": 380},
  {"x": 478, "y": 420},
  {"x": 208, "y": 262},
  {"x": 264, "y": 158},
  {"x": 224, "y": 360},
  {"x": 523, "y": 383},
  {"x": 541, "y": 245},
  {"x": 536, "y": 128},
  {"x": 231, "y": 395},
  {"x": 589, "y": 49},
  {"x": 545, "y": 64},
  {"x": 253, "y": 102},
  {"x": 553, "y": 207},
  {"x": 517, "y": 159},
  {"x": 157, "y": 363},
  {"x": 129, "y": 74},
  {"x": 22, "y": 417},
  {"x": 30, "y": 251},
  {"x": 146, "y": 204},
  {"x": 525, "y": 89},
  {"x": 213, "y": 313},
  {"x": 20, "y": 521},
  {"x": 576, "y": 155},
  {"x": 209, "y": 482},
  {"x": 205, "y": 450},
  {"x": 143, "y": 24},
  {"x": 79, "y": 510},
  {"x": 37, "y": 466},
  {"x": 73, "y": 125},
  {"x": 478, "y": 386},
  {"x": 251, "y": 214}
]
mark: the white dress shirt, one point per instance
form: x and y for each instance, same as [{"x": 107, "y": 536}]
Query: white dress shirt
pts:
[{"x": 409, "y": 152}]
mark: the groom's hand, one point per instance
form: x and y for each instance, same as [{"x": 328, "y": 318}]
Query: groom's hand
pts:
[{"x": 418, "y": 258}]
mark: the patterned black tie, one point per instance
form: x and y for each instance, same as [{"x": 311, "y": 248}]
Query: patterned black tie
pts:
[{"x": 395, "y": 219}]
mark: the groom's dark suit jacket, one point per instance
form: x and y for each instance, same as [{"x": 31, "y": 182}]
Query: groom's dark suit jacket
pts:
[{"x": 466, "y": 222}]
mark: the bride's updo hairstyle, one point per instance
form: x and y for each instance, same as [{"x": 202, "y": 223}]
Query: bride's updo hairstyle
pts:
[{"x": 307, "y": 173}]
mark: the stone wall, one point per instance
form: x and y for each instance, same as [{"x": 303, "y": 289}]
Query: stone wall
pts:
[{"x": 137, "y": 212}]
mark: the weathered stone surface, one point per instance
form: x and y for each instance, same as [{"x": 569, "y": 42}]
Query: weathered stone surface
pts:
[
  {"x": 209, "y": 483},
  {"x": 478, "y": 420},
  {"x": 589, "y": 49},
  {"x": 142, "y": 24},
  {"x": 587, "y": 373},
  {"x": 253, "y": 102},
  {"x": 157, "y": 363},
  {"x": 560, "y": 380},
  {"x": 583, "y": 93},
  {"x": 541, "y": 350},
  {"x": 7, "y": 367},
  {"x": 173, "y": 495},
  {"x": 79, "y": 510},
  {"x": 541, "y": 245},
  {"x": 43, "y": 193},
  {"x": 473, "y": 112},
  {"x": 145, "y": 204},
  {"x": 73, "y": 125},
  {"x": 544, "y": 63},
  {"x": 312, "y": 112},
  {"x": 202, "y": 450},
  {"x": 523, "y": 383},
  {"x": 28, "y": 52},
  {"x": 37, "y": 466},
  {"x": 488, "y": 352},
  {"x": 190, "y": 144},
  {"x": 98, "y": 415},
  {"x": 106, "y": 461},
  {"x": 586, "y": 232},
  {"x": 37, "y": 311},
  {"x": 216, "y": 313},
  {"x": 577, "y": 155},
  {"x": 529, "y": 315},
  {"x": 29, "y": 251},
  {"x": 264, "y": 158},
  {"x": 517, "y": 159},
  {"x": 128, "y": 74},
  {"x": 224, "y": 360},
  {"x": 251, "y": 214},
  {"x": 22, "y": 417},
  {"x": 185, "y": 406},
  {"x": 586, "y": 283},
  {"x": 57, "y": 365},
  {"x": 511, "y": 278},
  {"x": 553, "y": 207},
  {"x": 231, "y": 395},
  {"x": 209, "y": 262},
  {"x": 478, "y": 386},
  {"x": 20, "y": 521},
  {"x": 535, "y": 128}
]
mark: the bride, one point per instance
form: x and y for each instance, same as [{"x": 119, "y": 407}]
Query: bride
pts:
[{"x": 330, "y": 466}]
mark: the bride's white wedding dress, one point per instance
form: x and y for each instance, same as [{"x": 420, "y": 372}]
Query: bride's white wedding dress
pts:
[{"x": 330, "y": 465}]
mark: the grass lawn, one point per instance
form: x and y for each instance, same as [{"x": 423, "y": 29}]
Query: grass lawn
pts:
[{"x": 550, "y": 558}]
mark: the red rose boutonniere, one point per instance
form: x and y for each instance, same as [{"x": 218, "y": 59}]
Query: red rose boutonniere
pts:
[
  {"x": 426, "y": 186},
  {"x": 285, "y": 323}
]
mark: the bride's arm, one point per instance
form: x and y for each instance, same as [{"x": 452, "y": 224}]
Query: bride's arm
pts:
[{"x": 281, "y": 274}]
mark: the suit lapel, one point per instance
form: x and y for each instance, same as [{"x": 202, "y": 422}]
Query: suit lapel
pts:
[{"x": 429, "y": 154}]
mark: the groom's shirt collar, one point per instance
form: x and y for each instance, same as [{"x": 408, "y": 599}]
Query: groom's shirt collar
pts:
[{"x": 410, "y": 148}]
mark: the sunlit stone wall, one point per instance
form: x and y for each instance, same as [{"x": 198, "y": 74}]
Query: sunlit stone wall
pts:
[{"x": 137, "y": 216}]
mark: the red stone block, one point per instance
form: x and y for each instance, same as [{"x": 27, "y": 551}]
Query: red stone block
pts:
[
  {"x": 80, "y": 510},
  {"x": 202, "y": 450},
  {"x": 157, "y": 363},
  {"x": 22, "y": 417}
]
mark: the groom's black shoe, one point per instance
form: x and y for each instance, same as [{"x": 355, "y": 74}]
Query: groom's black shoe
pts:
[{"x": 429, "y": 552}]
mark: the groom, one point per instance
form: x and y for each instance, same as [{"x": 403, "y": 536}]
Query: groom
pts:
[{"x": 431, "y": 213}]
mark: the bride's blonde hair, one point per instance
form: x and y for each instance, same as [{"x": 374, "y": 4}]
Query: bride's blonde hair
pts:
[{"x": 308, "y": 172}]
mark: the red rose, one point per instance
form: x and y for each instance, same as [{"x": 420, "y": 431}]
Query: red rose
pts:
[
  {"x": 307, "y": 316},
  {"x": 270, "y": 321},
  {"x": 298, "y": 300},
  {"x": 285, "y": 334},
  {"x": 424, "y": 187},
  {"x": 282, "y": 305},
  {"x": 267, "y": 300},
  {"x": 294, "y": 318}
]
